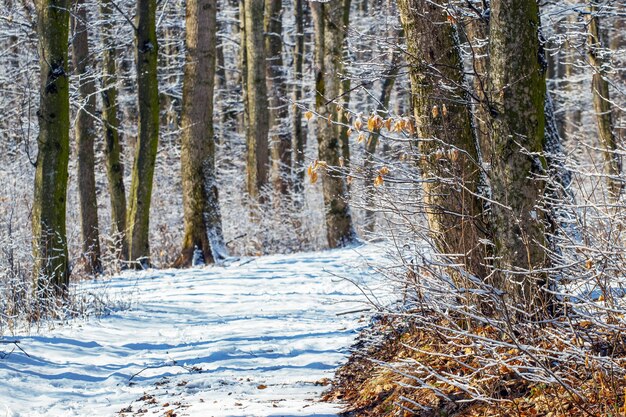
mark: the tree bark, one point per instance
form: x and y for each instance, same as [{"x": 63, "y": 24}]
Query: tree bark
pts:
[
  {"x": 602, "y": 107},
  {"x": 85, "y": 137},
  {"x": 50, "y": 270},
  {"x": 329, "y": 37},
  {"x": 447, "y": 143},
  {"x": 148, "y": 135},
  {"x": 280, "y": 137},
  {"x": 257, "y": 128},
  {"x": 298, "y": 134},
  {"x": 112, "y": 145},
  {"x": 203, "y": 222},
  {"x": 517, "y": 98}
]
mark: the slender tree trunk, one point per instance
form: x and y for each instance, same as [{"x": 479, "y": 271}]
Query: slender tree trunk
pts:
[
  {"x": 257, "y": 128},
  {"x": 50, "y": 270},
  {"x": 372, "y": 142},
  {"x": 602, "y": 107},
  {"x": 242, "y": 122},
  {"x": 203, "y": 222},
  {"x": 298, "y": 134},
  {"x": 477, "y": 33},
  {"x": 148, "y": 135},
  {"x": 112, "y": 145},
  {"x": 280, "y": 137},
  {"x": 329, "y": 37},
  {"x": 448, "y": 145},
  {"x": 85, "y": 138},
  {"x": 344, "y": 102},
  {"x": 518, "y": 98}
]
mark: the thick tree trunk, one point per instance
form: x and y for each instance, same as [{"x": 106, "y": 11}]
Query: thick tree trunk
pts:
[
  {"x": 112, "y": 145},
  {"x": 148, "y": 135},
  {"x": 85, "y": 129},
  {"x": 203, "y": 222},
  {"x": 329, "y": 36},
  {"x": 257, "y": 128},
  {"x": 602, "y": 107},
  {"x": 518, "y": 99},
  {"x": 298, "y": 134},
  {"x": 448, "y": 145},
  {"x": 280, "y": 135},
  {"x": 50, "y": 269}
]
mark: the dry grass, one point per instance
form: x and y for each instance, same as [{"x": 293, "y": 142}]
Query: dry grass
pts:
[{"x": 414, "y": 371}]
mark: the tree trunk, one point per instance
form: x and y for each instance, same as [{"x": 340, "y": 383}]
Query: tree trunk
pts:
[
  {"x": 372, "y": 142},
  {"x": 203, "y": 222},
  {"x": 257, "y": 128},
  {"x": 329, "y": 37},
  {"x": 602, "y": 107},
  {"x": 477, "y": 33},
  {"x": 242, "y": 121},
  {"x": 148, "y": 135},
  {"x": 112, "y": 145},
  {"x": 298, "y": 134},
  {"x": 448, "y": 146},
  {"x": 50, "y": 269},
  {"x": 85, "y": 136},
  {"x": 280, "y": 138},
  {"x": 518, "y": 98}
]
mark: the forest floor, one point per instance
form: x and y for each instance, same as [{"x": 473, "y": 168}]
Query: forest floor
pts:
[{"x": 258, "y": 337}]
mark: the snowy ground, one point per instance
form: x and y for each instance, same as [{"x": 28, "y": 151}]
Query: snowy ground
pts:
[{"x": 255, "y": 338}]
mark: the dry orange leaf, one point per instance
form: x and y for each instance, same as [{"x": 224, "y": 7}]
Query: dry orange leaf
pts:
[{"x": 308, "y": 115}]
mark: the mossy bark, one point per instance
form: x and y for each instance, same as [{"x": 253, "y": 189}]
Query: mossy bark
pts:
[
  {"x": 329, "y": 28},
  {"x": 257, "y": 128},
  {"x": 112, "y": 144},
  {"x": 85, "y": 131},
  {"x": 518, "y": 91},
  {"x": 50, "y": 270},
  {"x": 280, "y": 134},
  {"x": 602, "y": 106},
  {"x": 148, "y": 136},
  {"x": 203, "y": 222},
  {"x": 447, "y": 143}
]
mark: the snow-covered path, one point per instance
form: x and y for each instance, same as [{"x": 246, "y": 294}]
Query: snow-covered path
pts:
[{"x": 250, "y": 339}]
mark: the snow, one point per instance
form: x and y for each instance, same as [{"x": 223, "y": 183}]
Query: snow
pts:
[{"x": 248, "y": 339}]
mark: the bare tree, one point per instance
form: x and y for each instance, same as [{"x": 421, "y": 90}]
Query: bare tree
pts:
[
  {"x": 85, "y": 137},
  {"x": 329, "y": 28},
  {"x": 49, "y": 202},
  {"x": 148, "y": 137},
  {"x": 112, "y": 145},
  {"x": 203, "y": 223},
  {"x": 257, "y": 110},
  {"x": 517, "y": 97}
]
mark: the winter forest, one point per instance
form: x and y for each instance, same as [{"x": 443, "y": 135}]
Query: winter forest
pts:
[{"x": 313, "y": 208}]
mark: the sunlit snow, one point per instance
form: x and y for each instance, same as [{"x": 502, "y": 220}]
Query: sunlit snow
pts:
[{"x": 248, "y": 339}]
